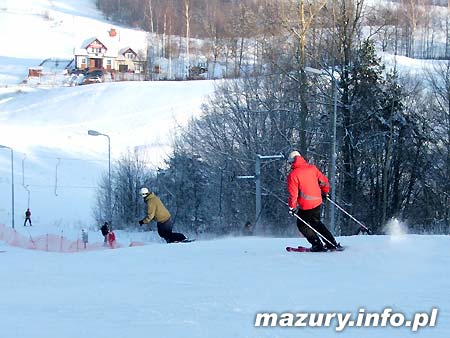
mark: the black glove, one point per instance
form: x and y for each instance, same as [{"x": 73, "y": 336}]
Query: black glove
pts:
[
  {"x": 325, "y": 195},
  {"x": 141, "y": 222},
  {"x": 292, "y": 211}
]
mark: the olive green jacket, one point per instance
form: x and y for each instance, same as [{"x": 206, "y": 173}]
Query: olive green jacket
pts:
[{"x": 155, "y": 210}]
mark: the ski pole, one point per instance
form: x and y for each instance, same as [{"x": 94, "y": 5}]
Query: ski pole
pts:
[
  {"x": 370, "y": 232},
  {"x": 318, "y": 233},
  {"x": 301, "y": 219}
]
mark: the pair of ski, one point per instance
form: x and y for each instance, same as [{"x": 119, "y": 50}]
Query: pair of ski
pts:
[{"x": 305, "y": 249}]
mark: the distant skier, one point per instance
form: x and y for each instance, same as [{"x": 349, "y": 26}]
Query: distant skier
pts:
[
  {"x": 306, "y": 185},
  {"x": 248, "y": 229},
  {"x": 158, "y": 212},
  {"x": 105, "y": 230},
  {"x": 27, "y": 217},
  {"x": 111, "y": 238},
  {"x": 84, "y": 237}
]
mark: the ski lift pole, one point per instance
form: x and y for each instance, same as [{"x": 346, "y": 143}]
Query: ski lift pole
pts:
[{"x": 370, "y": 232}]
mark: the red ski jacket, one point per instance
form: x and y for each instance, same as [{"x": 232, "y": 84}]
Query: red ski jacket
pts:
[
  {"x": 111, "y": 237},
  {"x": 305, "y": 185}
]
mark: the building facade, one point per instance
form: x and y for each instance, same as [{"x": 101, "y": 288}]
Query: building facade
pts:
[{"x": 94, "y": 54}]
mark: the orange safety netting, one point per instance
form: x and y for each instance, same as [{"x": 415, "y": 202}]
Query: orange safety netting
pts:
[{"x": 50, "y": 242}]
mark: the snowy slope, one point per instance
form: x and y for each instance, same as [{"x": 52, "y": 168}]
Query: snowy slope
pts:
[
  {"x": 54, "y": 158},
  {"x": 45, "y": 28},
  {"x": 214, "y": 288},
  {"x": 134, "y": 113},
  {"x": 50, "y": 29},
  {"x": 60, "y": 164},
  {"x": 201, "y": 289}
]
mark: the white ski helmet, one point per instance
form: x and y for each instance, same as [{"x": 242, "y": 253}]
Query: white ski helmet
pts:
[
  {"x": 293, "y": 155},
  {"x": 144, "y": 192}
]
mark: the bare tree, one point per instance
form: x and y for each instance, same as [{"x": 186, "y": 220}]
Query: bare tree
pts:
[{"x": 129, "y": 174}]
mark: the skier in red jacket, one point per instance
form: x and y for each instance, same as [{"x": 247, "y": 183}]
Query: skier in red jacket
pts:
[
  {"x": 111, "y": 238},
  {"x": 306, "y": 184}
]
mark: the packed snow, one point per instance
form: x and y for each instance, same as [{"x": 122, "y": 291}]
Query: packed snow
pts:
[
  {"x": 215, "y": 288},
  {"x": 204, "y": 289}
]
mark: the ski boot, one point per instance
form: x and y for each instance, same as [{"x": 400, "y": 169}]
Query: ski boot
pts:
[
  {"x": 317, "y": 246},
  {"x": 336, "y": 247}
]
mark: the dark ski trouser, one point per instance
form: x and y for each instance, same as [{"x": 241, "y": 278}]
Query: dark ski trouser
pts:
[
  {"x": 27, "y": 220},
  {"x": 312, "y": 217},
  {"x": 165, "y": 231}
]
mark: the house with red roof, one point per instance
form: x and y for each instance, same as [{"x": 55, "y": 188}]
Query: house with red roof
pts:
[{"x": 106, "y": 54}]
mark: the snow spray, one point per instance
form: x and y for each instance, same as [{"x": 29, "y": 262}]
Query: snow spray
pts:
[{"x": 395, "y": 228}]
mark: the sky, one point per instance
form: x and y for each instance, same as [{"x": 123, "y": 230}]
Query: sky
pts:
[{"x": 203, "y": 289}]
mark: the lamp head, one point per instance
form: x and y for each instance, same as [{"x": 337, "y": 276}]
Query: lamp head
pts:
[{"x": 93, "y": 133}]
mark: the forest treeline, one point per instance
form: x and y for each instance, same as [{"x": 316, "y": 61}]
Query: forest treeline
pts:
[
  {"x": 408, "y": 27},
  {"x": 316, "y": 73}
]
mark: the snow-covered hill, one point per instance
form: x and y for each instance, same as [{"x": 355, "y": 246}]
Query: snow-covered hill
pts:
[
  {"x": 34, "y": 30},
  {"x": 60, "y": 164},
  {"x": 40, "y": 29},
  {"x": 55, "y": 162},
  {"x": 215, "y": 288},
  {"x": 54, "y": 158},
  {"x": 198, "y": 290}
]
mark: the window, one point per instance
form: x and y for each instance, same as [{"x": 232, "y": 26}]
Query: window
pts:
[
  {"x": 83, "y": 60},
  {"x": 108, "y": 62}
]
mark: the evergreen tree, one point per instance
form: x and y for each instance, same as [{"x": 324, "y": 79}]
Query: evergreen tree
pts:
[{"x": 182, "y": 186}]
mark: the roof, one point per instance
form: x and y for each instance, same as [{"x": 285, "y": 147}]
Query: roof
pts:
[
  {"x": 127, "y": 50},
  {"x": 86, "y": 43},
  {"x": 111, "y": 44}
]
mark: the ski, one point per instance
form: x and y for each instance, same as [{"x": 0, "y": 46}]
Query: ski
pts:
[
  {"x": 187, "y": 240},
  {"x": 297, "y": 249},
  {"x": 305, "y": 249}
]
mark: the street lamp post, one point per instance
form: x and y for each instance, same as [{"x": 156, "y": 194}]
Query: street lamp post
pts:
[
  {"x": 96, "y": 133},
  {"x": 333, "y": 154},
  {"x": 333, "y": 157},
  {"x": 12, "y": 184}
]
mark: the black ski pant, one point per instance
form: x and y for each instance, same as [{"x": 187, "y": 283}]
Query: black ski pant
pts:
[
  {"x": 27, "y": 220},
  {"x": 165, "y": 231},
  {"x": 312, "y": 217}
]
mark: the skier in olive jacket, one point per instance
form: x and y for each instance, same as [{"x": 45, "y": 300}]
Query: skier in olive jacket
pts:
[{"x": 158, "y": 212}]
